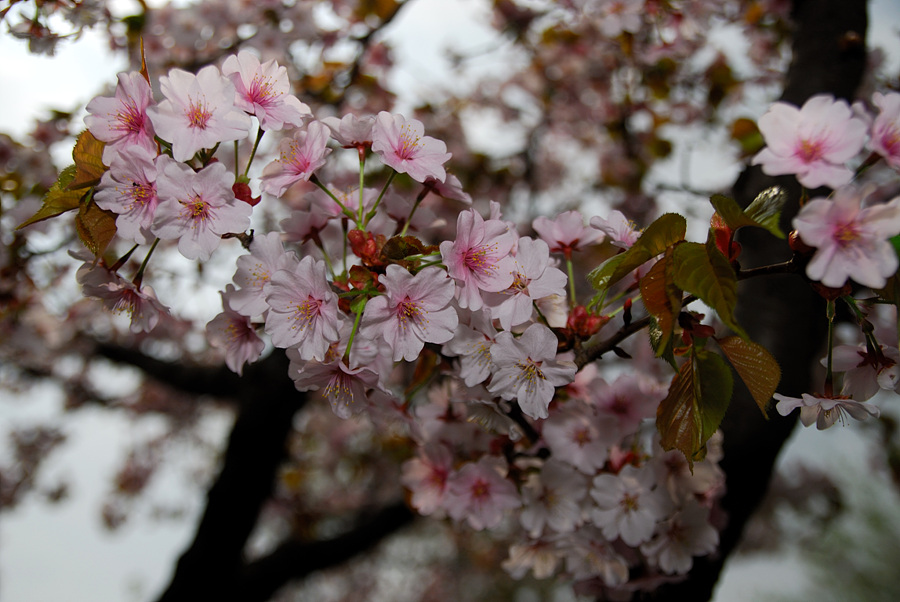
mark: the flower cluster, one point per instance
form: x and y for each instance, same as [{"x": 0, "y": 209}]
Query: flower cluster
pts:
[{"x": 362, "y": 280}]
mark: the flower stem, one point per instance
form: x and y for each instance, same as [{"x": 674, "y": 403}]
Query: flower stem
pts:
[
  {"x": 259, "y": 136},
  {"x": 829, "y": 374},
  {"x": 139, "y": 277}
]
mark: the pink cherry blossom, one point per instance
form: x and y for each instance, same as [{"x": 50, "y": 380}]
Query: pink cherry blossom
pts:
[
  {"x": 580, "y": 439},
  {"x": 542, "y": 557},
  {"x": 345, "y": 388},
  {"x": 552, "y": 500},
  {"x": 121, "y": 296},
  {"x": 631, "y": 399},
  {"x": 885, "y": 132},
  {"x": 628, "y": 504},
  {"x": 864, "y": 373},
  {"x": 472, "y": 343},
  {"x": 233, "y": 332},
  {"x": 850, "y": 241},
  {"x": 121, "y": 122},
  {"x": 824, "y": 411},
  {"x": 351, "y": 131},
  {"x": 426, "y": 477},
  {"x": 480, "y": 494},
  {"x": 451, "y": 188},
  {"x": 566, "y": 232},
  {"x": 303, "y": 310},
  {"x": 263, "y": 90},
  {"x": 415, "y": 310},
  {"x": 198, "y": 112},
  {"x": 197, "y": 208},
  {"x": 533, "y": 279},
  {"x": 685, "y": 535},
  {"x": 527, "y": 369},
  {"x": 299, "y": 157},
  {"x": 403, "y": 146},
  {"x": 814, "y": 142},
  {"x": 478, "y": 260},
  {"x": 267, "y": 256},
  {"x": 128, "y": 188},
  {"x": 620, "y": 230}
]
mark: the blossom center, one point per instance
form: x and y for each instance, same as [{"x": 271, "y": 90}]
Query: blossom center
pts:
[
  {"x": 262, "y": 91},
  {"x": 582, "y": 436},
  {"x": 305, "y": 312},
  {"x": 140, "y": 194},
  {"x": 339, "y": 388},
  {"x": 130, "y": 119},
  {"x": 408, "y": 311},
  {"x": 481, "y": 489},
  {"x": 891, "y": 141},
  {"x": 530, "y": 372},
  {"x": 198, "y": 114},
  {"x": 629, "y": 503},
  {"x": 478, "y": 259},
  {"x": 809, "y": 150},
  {"x": 409, "y": 144},
  {"x": 846, "y": 234},
  {"x": 197, "y": 208}
]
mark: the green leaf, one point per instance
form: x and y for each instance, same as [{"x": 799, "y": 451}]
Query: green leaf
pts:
[
  {"x": 692, "y": 411},
  {"x": 58, "y": 199},
  {"x": 96, "y": 227},
  {"x": 731, "y": 213},
  {"x": 662, "y": 299},
  {"x": 664, "y": 232},
  {"x": 703, "y": 271},
  {"x": 89, "y": 167},
  {"x": 766, "y": 208},
  {"x": 756, "y": 367},
  {"x": 663, "y": 351}
]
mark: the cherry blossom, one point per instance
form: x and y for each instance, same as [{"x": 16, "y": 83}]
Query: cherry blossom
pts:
[
  {"x": 351, "y": 131},
  {"x": 814, "y": 142},
  {"x": 267, "y": 256},
  {"x": 472, "y": 343},
  {"x": 885, "y": 131},
  {"x": 864, "y": 373},
  {"x": 234, "y": 333},
  {"x": 426, "y": 477},
  {"x": 128, "y": 188},
  {"x": 850, "y": 241},
  {"x": 628, "y": 504},
  {"x": 566, "y": 232},
  {"x": 479, "y": 493},
  {"x": 197, "y": 208},
  {"x": 303, "y": 310},
  {"x": 527, "y": 369},
  {"x": 580, "y": 439},
  {"x": 679, "y": 538},
  {"x": 263, "y": 90},
  {"x": 533, "y": 279},
  {"x": 403, "y": 146},
  {"x": 478, "y": 260},
  {"x": 620, "y": 231},
  {"x": 121, "y": 296},
  {"x": 122, "y": 122},
  {"x": 415, "y": 310},
  {"x": 299, "y": 158},
  {"x": 552, "y": 500},
  {"x": 824, "y": 411},
  {"x": 344, "y": 387},
  {"x": 198, "y": 112},
  {"x": 631, "y": 399}
]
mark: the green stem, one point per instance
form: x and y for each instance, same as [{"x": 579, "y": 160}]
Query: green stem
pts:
[
  {"x": 571, "y": 271},
  {"x": 356, "y": 320},
  {"x": 139, "y": 277},
  {"x": 412, "y": 211},
  {"x": 315, "y": 180},
  {"x": 371, "y": 212},
  {"x": 259, "y": 136}
]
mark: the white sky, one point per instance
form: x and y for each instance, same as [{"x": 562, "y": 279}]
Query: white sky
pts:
[{"x": 61, "y": 552}]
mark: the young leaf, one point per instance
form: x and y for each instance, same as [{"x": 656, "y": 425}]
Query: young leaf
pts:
[
  {"x": 58, "y": 199},
  {"x": 96, "y": 227},
  {"x": 662, "y": 299},
  {"x": 693, "y": 409},
  {"x": 88, "y": 164},
  {"x": 766, "y": 208},
  {"x": 703, "y": 271},
  {"x": 664, "y": 232},
  {"x": 756, "y": 367}
]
